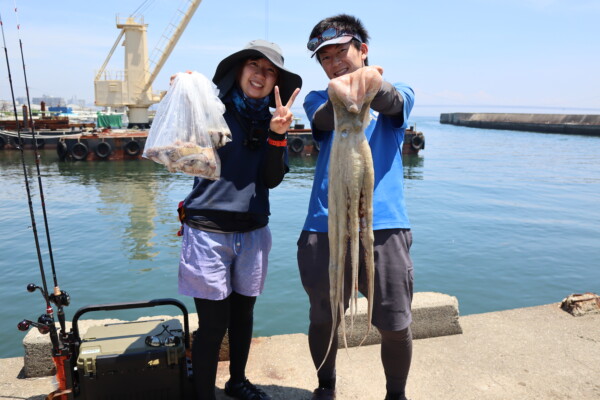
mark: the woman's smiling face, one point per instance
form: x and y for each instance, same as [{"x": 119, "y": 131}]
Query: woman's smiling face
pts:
[{"x": 258, "y": 77}]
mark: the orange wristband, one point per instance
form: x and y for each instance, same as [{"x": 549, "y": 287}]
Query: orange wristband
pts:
[{"x": 278, "y": 143}]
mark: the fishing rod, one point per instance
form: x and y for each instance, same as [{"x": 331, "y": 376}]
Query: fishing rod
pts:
[
  {"x": 45, "y": 322},
  {"x": 49, "y": 309},
  {"x": 60, "y": 298},
  {"x": 61, "y": 347}
]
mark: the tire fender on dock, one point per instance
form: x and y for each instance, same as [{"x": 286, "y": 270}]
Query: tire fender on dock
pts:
[
  {"x": 62, "y": 149},
  {"x": 297, "y": 145},
  {"x": 16, "y": 142},
  {"x": 103, "y": 149},
  {"x": 418, "y": 142},
  {"x": 79, "y": 151},
  {"x": 132, "y": 148}
]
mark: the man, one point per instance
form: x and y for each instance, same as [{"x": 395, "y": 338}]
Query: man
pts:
[{"x": 340, "y": 44}]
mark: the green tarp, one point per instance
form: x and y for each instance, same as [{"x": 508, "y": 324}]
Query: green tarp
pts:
[{"x": 109, "y": 121}]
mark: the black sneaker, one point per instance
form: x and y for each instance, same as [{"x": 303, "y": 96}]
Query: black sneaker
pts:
[
  {"x": 245, "y": 391},
  {"x": 395, "y": 397}
]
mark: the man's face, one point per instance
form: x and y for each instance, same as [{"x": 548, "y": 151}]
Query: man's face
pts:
[{"x": 342, "y": 59}]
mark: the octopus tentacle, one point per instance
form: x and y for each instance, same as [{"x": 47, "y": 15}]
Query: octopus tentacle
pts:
[{"x": 366, "y": 235}]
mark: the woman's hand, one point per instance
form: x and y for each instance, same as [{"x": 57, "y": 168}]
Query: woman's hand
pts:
[
  {"x": 175, "y": 75},
  {"x": 282, "y": 117}
]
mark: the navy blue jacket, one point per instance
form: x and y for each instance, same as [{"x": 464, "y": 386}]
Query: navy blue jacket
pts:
[{"x": 250, "y": 166}]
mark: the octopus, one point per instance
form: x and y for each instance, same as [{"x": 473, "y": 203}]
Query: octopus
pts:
[
  {"x": 199, "y": 164},
  {"x": 187, "y": 157},
  {"x": 350, "y": 194}
]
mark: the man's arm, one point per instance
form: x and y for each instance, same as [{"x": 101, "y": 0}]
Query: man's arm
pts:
[
  {"x": 388, "y": 101},
  {"x": 323, "y": 117},
  {"x": 312, "y": 107}
]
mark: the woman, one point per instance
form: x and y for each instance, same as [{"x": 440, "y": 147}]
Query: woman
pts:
[{"x": 226, "y": 239}]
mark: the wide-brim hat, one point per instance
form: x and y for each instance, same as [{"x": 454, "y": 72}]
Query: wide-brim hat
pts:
[{"x": 228, "y": 68}]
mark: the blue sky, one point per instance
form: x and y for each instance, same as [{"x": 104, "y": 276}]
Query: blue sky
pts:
[{"x": 461, "y": 55}]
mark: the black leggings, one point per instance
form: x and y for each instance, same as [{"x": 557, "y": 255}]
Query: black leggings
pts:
[
  {"x": 396, "y": 356},
  {"x": 214, "y": 319}
]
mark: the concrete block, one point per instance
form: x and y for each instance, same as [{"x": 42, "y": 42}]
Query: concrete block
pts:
[
  {"x": 434, "y": 314},
  {"x": 358, "y": 332},
  {"x": 38, "y": 355}
]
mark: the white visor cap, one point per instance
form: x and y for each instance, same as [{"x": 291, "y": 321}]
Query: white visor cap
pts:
[{"x": 338, "y": 40}]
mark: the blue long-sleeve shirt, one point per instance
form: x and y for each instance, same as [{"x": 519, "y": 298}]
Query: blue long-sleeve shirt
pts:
[{"x": 385, "y": 135}]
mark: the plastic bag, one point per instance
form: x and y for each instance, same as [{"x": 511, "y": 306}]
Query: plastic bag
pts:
[{"x": 189, "y": 127}]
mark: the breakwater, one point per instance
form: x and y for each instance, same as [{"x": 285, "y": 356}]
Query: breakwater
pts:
[{"x": 577, "y": 124}]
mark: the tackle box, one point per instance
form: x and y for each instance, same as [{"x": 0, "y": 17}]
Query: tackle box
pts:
[{"x": 133, "y": 360}]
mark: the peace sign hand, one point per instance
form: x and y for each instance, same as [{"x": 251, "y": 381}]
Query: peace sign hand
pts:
[{"x": 282, "y": 117}]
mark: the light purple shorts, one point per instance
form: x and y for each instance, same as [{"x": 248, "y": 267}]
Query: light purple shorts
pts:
[{"x": 212, "y": 265}]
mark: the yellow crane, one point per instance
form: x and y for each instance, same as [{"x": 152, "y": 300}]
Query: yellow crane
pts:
[{"x": 132, "y": 87}]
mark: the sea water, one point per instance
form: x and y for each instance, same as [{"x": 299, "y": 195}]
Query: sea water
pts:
[{"x": 500, "y": 219}]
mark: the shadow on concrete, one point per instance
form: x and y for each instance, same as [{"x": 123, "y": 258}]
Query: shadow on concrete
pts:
[{"x": 276, "y": 392}]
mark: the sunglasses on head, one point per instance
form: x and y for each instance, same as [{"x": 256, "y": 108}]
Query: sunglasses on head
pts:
[{"x": 328, "y": 34}]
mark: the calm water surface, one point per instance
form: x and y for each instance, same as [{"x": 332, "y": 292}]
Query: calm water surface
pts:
[{"x": 501, "y": 219}]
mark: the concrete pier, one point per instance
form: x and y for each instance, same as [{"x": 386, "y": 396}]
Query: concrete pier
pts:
[
  {"x": 531, "y": 353},
  {"x": 577, "y": 124}
]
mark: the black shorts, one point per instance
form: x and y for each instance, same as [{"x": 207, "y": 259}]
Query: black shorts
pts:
[{"x": 393, "y": 277}]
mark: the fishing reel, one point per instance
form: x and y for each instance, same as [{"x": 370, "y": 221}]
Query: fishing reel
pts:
[
  {"x": 43, "y": 324},
  {"x": 61, "y": 299}
]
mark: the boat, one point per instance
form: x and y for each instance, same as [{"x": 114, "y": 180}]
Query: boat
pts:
[
  {"x": 45, "y": 126},
  {"x": 414, "y": 141},
  {"x": 301, "y": 142},
  {"x": 43, "y": 138},
  {"x": 102, "y": 141},
  {"x": 93, "y": 144},
  {"x": 90, "y": 141}
]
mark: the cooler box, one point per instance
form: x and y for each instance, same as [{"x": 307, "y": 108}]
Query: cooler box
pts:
[{"x": 134, "y": 360}]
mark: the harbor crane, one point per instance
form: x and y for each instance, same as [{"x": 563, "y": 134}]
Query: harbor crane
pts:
[{"x": 132, "y": 87}]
